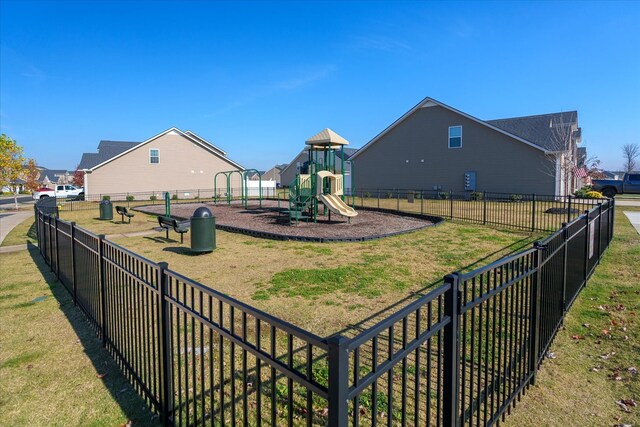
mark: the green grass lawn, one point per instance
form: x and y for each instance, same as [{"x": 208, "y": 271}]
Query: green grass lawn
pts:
[
  {"x": 323, "y": 288},
  {"x": 22, "y": 233},
  {"x": 596, "y": 349},
  {"x": 53, "y": 369}
]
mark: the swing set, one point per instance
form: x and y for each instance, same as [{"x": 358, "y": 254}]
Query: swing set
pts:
[{"x": 244, "y": 188}]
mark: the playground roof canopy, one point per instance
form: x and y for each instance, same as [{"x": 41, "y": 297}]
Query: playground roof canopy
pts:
[{"x": 327, "y": 137}]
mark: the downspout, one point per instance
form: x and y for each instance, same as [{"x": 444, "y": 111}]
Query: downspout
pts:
[{"x": 86, "y": 183}]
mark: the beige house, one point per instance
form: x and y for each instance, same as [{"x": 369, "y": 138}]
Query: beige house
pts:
[
  {"x": 436, "y": 147},
  {"x": 176, "y": 161},
  {"x": 273, "y": 174}
]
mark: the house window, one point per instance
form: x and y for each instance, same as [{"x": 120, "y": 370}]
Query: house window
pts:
[
  {"x": 455, "y": 136},
  {"x": 154, "y": 156}
]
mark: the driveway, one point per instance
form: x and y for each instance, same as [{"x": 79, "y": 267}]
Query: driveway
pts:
[{"x": 627, "y": 202}]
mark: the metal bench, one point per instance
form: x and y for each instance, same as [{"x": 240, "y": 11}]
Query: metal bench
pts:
[
  {"x": 122, "y": 211},
  {"x": 178, "y": 227}
]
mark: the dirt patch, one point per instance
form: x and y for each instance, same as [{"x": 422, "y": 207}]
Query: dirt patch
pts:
[{"x": 270, "y": 222}]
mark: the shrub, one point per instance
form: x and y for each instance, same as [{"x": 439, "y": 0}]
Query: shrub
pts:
[
  {"x": 153, "y": 198},
  {"x": 594, "y": 195},
  {"x": 367, "y": 194},
  {"x": 389, "y": 195},
  {"x": 174, "y": 197},
  {"x": 106, "y": 197},
  {"x": 130, "y": 198},
  {"x": 443, "y": 195},
  {"x": 417, "y": 194},
  {"x": 515, "y": 197},
  {"x": 476, "y": 195},
  {"x": 582, "y": 192}
]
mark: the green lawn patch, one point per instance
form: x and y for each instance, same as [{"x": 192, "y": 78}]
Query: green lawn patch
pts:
[
  {"x": 596, "y": 352},
  {"x": 53, "y": 369}
]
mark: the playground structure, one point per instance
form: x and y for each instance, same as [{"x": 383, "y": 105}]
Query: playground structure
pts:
[
  {"x": 244, "y": 187},
  {"x": 320, "y": 182}
]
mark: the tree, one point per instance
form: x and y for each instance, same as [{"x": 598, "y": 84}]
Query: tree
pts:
[
  {"x": 563, "y": 143},
  {"x": 593, "y": 168},
  {"x": 78, "y": 178},
  {"x": 11, "y": 163},
  {"x": 31, "y": 174},
  {"x": 630, "y": 152}
]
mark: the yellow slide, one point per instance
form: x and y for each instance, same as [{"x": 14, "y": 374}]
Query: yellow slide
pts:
[{"x": 336, "y": 205}]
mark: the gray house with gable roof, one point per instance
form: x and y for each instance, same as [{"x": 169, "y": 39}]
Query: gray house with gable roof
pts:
[{"x": 436, "y": 147}]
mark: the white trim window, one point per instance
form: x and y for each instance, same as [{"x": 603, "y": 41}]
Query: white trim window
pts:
[
  {"x": 455, "y": 136},
  {"x": 154, "y": 156}
]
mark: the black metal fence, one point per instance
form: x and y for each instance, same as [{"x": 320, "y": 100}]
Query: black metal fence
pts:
[
  {"x": 461, "y": 354},
  {"x": 133, "y": 199},
  {"x": 533, "y": 212}
]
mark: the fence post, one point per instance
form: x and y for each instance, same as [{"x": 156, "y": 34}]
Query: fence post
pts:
[
  {"x": 55, "y": 230},
  {"x": 451, "y": 354},
  {"x": 73, "y": 262},
  {"x": 599, "y": 231},
  {"x": 103, "y": 299},
  {"x": 536, "y": 291},
  {"x": 378, "y": 199},
  {"x": 586, "y": 247},
  {"x": 421, "y": 202},
  {"x": 569, "y": 209},
  {"x": 35, "y": 213},
  {"x": 451, "y": 205},
  {"x": 565, "y": 244},
  {"x": 533, "y": 212},
  {"x": 398, "y": 200},
  {"x": 338, "y": 381},
  {"x": 49, "y": 243},
  {"x": 484, "y": 208},
  {"x": 612, "y": 219},
  {"x": 164, "y": 344}
]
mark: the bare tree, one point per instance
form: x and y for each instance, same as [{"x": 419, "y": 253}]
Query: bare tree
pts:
[
  {"x": 630, "y": 152},
  {"x": 562, "y": 142}
]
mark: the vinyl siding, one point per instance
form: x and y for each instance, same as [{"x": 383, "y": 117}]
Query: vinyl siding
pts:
[
  {"x": 183, "y": 165},
  {"x": 415, "y": 155}
]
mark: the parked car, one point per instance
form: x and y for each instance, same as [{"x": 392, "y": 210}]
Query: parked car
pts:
[
  {"x": 630, "y": 184},
  {"x": 61, "y": 191}
]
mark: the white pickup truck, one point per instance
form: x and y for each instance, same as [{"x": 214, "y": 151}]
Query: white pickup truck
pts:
[{"x": 61, "y": 191}]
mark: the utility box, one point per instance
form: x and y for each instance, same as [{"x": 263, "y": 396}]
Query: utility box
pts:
[
  {"x": 470, "y": 181},
  {"x": 106, "y": 209},
  {"x": 203, "y": 231}
]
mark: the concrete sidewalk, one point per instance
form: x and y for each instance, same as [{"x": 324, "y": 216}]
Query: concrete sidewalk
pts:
[
  {"x": 634, "y": 219},
  {"x": 10, "y": 219}
]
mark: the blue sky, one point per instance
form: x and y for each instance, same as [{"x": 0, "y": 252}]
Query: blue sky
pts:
[{"x": 258, "y": 78}]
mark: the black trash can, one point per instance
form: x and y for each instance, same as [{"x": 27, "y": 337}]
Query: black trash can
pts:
[
  {"x": 106, "y": 209},
  {"x": 203, "y": 231}
]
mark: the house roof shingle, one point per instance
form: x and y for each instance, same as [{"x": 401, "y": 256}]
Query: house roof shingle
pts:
[
  {"x": 106, "y": 151},
  {"x": 537, "y": 129},
  {"x": 52, "y": 174}
]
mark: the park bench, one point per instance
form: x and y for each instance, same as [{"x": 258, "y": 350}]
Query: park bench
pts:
[
  {"x": 122, "y": 211},
  {"x": 178, "y": 227}
]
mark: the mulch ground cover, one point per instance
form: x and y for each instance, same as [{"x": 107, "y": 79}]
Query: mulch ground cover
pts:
[{"x": 268, "y": 219}]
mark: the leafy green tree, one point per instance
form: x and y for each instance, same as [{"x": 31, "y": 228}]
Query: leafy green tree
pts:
[{"x": 11, "y": 163}]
